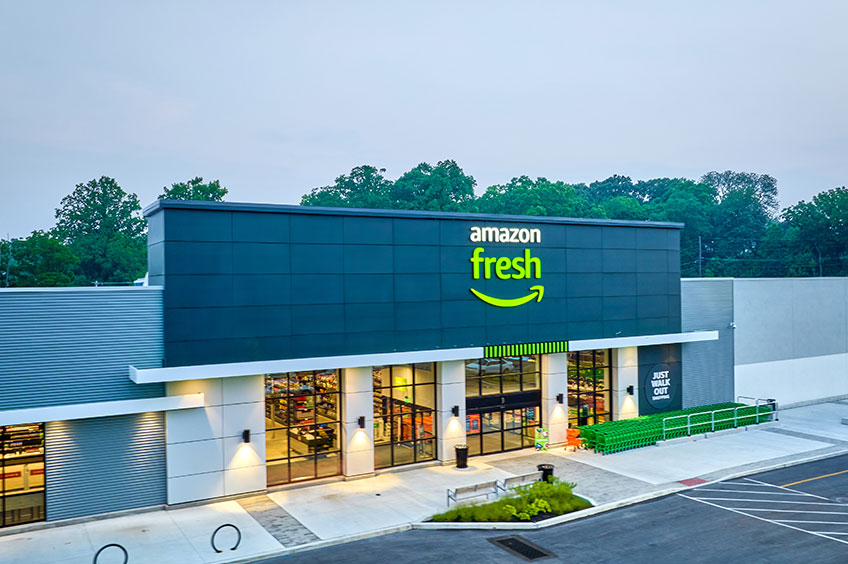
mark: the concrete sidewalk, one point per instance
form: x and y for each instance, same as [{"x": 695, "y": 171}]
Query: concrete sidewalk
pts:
[{"x": 298, "y": 518}]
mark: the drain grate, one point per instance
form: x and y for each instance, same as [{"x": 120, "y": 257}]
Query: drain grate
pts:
[{"x": 521, "y": 547}]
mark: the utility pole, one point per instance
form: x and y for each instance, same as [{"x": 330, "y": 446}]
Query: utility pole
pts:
[
  {"x": 8, "y": 261},
  {"x": 700, "y": 256}
]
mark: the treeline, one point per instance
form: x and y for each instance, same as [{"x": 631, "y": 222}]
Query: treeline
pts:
[
  {"x": 733, "y": 226},
  {"x": 99, "y": 238}
]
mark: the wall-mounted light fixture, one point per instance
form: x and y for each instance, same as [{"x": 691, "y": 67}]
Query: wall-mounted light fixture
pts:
[
  {"x": 361, "y": 421},
  {"x": 559, "y": 398},
  {"x": 630, "y": 390},
  {"x": 245, "y": 435},
  {"x": 455, "y": 411}
]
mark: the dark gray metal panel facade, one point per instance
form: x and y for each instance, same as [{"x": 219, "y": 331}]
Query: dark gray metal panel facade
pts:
[
  {"x": 246, "y": 283},
  {"x": 669, "y": 358},
  {"x": 104, "y": 464},
  {"x": 707, "y": 304},
  {"x": 64, "y": 346}
]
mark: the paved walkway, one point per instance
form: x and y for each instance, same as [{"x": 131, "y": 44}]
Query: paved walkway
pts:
[{"x": 337, "y": 511}]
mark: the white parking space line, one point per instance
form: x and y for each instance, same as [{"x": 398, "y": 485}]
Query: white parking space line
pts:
[
  {"x": 791, "y": 511},
  {"x": 810, "y": 522},
  {"x": 747, "y": 492},
  {"x": 788, "y": 526},
  {"x": 828, "y": 533},
  {"x": 788, "y": 489},
  {"x": 747, "y": 484},
  {"x": 767, "y": 501}
]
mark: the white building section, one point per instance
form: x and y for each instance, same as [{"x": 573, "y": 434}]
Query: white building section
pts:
[
  {"x": 237, "y": 369},
  {"x": 207, "y": 455},
  {"x": 100, "y": 409},
  {"x": 643, "y": 340}
]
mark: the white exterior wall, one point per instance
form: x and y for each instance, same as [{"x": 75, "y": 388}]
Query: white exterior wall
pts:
[
  {"x": 554, "y": 382},
  {"x": 795, "y": 380},
  {"x": 791, "y": 338},
  {"x": 625, "y": 372},
  {"x": 450, "y": 391},
  {"x": 357, "y": 400},
  {"x": 206, "y": 455}
]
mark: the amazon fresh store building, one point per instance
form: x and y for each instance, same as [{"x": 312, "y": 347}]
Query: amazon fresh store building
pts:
[{"x": 276, "y": 344}]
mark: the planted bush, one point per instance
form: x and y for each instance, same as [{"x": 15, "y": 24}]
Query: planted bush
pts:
[{"x": 535, "y": 501}]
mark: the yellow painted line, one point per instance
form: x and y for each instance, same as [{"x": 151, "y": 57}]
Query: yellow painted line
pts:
[{"x": 811, "y": 479}]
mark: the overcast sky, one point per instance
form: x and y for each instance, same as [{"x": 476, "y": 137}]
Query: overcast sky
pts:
[{"x": 276, "y": 98}]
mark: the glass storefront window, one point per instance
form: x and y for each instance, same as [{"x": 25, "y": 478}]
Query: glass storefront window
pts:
[
  {"x": 503, "y": 428},
  {"x": 21, "y": 474},
  {"x": 302, "y": 425},
  {"x": 494, "y": 376},
  {"x": 589, "y": 382},
  {"x": 404, "y": 414}
]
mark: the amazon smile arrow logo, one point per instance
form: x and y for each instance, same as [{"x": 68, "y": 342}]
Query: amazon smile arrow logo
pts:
[{"x": 537, "y": 293}]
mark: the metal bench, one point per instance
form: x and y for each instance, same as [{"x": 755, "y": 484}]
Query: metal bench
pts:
[
  {"x": 477, "y": 490},
  {"x": 516, "y": 481}
]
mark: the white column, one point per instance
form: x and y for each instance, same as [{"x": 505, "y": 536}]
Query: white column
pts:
[
  {"x": 554, "y": 382},
  {"x": 450, "y": 391},
  {"x": 357, "y": 401},
  {"x": 206, "y": 453},
  {"x": 625, "y": 372}
]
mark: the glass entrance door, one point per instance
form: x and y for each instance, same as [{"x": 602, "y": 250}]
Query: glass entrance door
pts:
[
  {"x": 500, "y": 429},
  {"x": 302, "y": 425}
]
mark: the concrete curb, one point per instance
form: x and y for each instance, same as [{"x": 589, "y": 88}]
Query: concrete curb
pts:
[{"x": 324, "y": 543}]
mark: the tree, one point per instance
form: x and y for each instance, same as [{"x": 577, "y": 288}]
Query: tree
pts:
[
  {"x": 762, "y": 187},
  {"x": 364, "y": 187},
  {"x": 102, "y": 225},
  {"x": 615, "y": 185},
  {"x": 444, "y": 187},
  {"x": 822, "y": 231},
  {"x": 684, "y": 201},
  {"x": 37, "y": 260},
  {"x": 625, "y": 207},
  {"x": 195, "y": 189},
  {"x": 525, "y": 196}
]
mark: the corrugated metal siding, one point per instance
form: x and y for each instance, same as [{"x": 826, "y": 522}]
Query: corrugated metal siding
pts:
[
  {"x": 105, "y": 464},
  {"x": 60, "y": 347},
  {"x": 707, "y": 366}
]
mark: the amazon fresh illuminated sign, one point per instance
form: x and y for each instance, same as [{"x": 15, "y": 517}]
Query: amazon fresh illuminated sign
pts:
[{"x": 523, "y": 266}]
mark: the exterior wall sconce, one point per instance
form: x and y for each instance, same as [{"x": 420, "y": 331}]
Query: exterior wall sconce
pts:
[
  {"x": 245, "y": 435},
  {"x": 559, "y": 398},
  {"x": 361, "y": 421},
  {"x": 630, "y": 390},
  {"x": 455, "y": 411}
]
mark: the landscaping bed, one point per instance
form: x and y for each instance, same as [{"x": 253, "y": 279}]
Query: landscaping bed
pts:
[{"x": 530, "y": 503}]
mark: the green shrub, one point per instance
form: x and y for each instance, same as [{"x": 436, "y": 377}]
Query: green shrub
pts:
[{"x": 525, "y": 502}]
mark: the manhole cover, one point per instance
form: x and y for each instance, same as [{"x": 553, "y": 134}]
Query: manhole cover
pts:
[{"x": 521, "y": 547}]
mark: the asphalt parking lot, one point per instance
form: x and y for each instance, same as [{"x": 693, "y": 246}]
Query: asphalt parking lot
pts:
[{"x": 794, "y": 514}]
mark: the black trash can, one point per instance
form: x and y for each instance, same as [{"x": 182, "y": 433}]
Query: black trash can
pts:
[
  {"x": 547, "y": 471},
  {"x": 461, "y": 456}
]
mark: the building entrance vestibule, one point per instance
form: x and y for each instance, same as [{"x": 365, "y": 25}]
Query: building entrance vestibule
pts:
[{"x": 502, "y": 402}]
